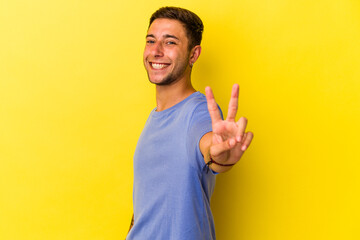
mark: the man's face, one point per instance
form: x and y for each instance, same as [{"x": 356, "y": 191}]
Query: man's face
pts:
[{"x": 166, "y": 54}]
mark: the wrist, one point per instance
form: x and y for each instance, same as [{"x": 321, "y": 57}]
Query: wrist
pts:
[{"x": 212, "y": 161}]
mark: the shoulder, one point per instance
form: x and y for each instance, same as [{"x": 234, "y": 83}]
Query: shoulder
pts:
[
  {"x": 197, "y": 98},
  {"x": 199, "y": 117},
  {"x": 196, "y": 103},
  {"x": 197, "y": 106}
]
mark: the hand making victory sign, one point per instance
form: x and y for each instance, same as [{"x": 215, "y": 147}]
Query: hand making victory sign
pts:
[{"x": 229, "y": 139}]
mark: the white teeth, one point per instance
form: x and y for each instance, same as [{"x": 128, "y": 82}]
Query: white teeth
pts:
[{"x": 158, "y": 65}]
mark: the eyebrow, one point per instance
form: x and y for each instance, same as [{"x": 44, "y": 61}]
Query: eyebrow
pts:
[
  {"x": 165, "y": 36},
  {"x": 170, "y": 36}
]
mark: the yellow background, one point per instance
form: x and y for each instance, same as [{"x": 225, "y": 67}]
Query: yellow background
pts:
[{"x": 74, "y": 97}]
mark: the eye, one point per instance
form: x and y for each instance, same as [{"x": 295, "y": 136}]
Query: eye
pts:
[
  {"x": 150, "y": 41},
  {"x": 171, "y": 43}
]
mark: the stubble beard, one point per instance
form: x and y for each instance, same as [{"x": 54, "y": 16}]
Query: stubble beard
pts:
[
  {"x": 168, "y": 80},
  {"x": 171, "y": 77}
]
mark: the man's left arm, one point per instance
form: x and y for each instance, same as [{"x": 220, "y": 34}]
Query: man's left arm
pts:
[{"x": 223, "y": 147}]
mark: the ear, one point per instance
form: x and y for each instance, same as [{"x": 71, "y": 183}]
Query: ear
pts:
[{"x": 194, "y": 54}]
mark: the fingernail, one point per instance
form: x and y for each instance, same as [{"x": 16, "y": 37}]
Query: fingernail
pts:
[
  {"x": 238, "y": 138},
  {"x": 243, "y": 148},
  {"x": 232, "y": 142}
]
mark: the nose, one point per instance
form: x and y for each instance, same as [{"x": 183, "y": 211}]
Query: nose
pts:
[{"x": 157, "y": 49}]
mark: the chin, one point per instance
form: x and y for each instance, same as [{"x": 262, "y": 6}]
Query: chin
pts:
[
  {"x": 163, "y": 81},
  {"x": 158, "y": 80},
  {"x": 155, "y": 80}
]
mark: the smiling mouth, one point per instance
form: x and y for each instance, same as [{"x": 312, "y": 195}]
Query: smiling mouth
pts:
[{"x": 158, "y": 65}]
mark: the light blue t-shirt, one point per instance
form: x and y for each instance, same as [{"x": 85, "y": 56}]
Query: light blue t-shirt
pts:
[{"x": 172, "y": 185}]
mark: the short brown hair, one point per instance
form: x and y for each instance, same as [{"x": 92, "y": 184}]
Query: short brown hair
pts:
[{"x": 192, "y": 23}]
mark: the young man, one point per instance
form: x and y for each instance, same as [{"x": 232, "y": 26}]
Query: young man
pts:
[{"x": 185, "y": 142}]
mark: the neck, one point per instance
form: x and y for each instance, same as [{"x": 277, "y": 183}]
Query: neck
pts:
[{"x": 169, "y": 95}]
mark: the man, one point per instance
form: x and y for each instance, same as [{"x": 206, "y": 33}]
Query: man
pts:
[{"x": 185, "y": 142}]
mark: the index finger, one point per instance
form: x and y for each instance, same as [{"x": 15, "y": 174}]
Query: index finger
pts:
[{"x": 212, "y": 106}]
